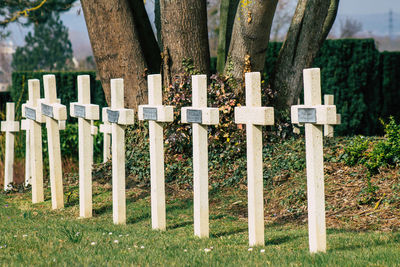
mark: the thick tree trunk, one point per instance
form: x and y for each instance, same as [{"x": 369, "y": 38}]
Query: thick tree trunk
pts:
[
  {"x": 115, "y": 42},
  {"x": 184, "y": 36},
  {"x": 250, "y": 37},
  {"x": 310, "y": 25}
]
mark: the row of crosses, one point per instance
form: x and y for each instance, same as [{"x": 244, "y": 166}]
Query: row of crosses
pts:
[{"x": 49, "y": 110}]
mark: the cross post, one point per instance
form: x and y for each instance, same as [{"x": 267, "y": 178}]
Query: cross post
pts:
[
  {"x": 314, "y": 116},
  {"x": 105, "y": 128},
  {"x": 54, "y": 112},
  {"x": 328, "y": 128},
  {"x": 10, "y": 127},
  {"x": 156, "y": 114},
  {"x": 25, "y": 127},
  {"x": 86, "y": 113},
  {"x": 119, "y": 118},
  {"x": 254, "y": 116},
  {"x": 200, "y": 116}
]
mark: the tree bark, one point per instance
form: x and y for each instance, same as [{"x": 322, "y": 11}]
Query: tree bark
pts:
[
  {"x": 309, "y": 27},
  {"x": 116, "y": 47},
  {"x": 250, "y": 38},
  {"x": 184, "y": 36}
]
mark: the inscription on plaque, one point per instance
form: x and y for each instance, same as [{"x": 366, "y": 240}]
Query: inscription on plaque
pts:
[
  {"x": 80, "y": 111},
  {"x": 307, "y": 115},
  {"x": 112, "y": 116},
  {"x": 47, "y": 110},
  {"x": 150, "y": 114},
  {"x": 194, "y": 116},
  {"x": 30, "y": 113}
]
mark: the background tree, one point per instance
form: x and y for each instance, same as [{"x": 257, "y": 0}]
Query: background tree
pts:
[
  {"x": 48, "y": 48},
  {"x": 350, "y": 28}
]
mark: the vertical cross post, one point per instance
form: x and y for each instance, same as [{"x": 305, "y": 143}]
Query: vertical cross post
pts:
[
  {"x": 10, "y": 127},
  {"x": 314, "y": 116},
  {"x": 25, "y": 127},
  {"x": 105, "y": 128},
  {"x": 200, "y": 116},
  {"x": 328, "y": 128},
  {"x": 119, "y": 117},
  {"x": 31, "y": 111},
  {"x": 85, "y": 112},
  {"x": 156, "y": 114},
  {"x": 54, "y": 112},
  {"x": 254, "y": 116}
]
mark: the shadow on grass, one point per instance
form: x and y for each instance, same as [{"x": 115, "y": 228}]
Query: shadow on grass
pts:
[
  {"x": 101, "y": 210},
  {"x": 347, "y": 243},
  {"x": 226, "y": 233},
  {"x": 281, "y": 239},
  {"x": 178, "y": 225}
]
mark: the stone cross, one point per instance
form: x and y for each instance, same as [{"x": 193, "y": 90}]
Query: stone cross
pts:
[
  {"x": 314, "y": 116},
  {"x": 105, "y": 128},
  {"x": 119, "y": 117},
  {"x": 10, "y": 127},
  {"x": 328, "y": 128},
  {"x": 254, "y": 116},
  {"x": 200, "y": 116},
  {"x": 86, "y": 113},
  {"x": 156, "y": 114},
  {"x": 25, "y": 127},
  {"x": 54, "y": 112},
  {"x": 31, "y": 111}
]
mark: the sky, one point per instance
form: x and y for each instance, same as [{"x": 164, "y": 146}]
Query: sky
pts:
[{"x": 364, "y": 7}]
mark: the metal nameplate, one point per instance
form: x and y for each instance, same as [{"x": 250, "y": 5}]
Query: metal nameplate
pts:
[
  {"x": 112, "y": 116},
  {"x": 307, "y": 115},
  {"x": 80, "y": 111},
  {"x": 47, "y": 110},
  {"x": 194, "y": 116},
  {"x": 150, "y": 114},
  {"x": 30, "y": 113}
]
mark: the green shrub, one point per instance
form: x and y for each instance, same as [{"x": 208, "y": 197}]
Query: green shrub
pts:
[{"x": 354, "y": 153}]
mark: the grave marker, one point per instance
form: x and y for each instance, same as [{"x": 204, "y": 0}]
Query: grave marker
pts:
[
  {"x": 254, "y": 116},
  {"x": 54, "y": 112},
  {"x": 119, "y": 117},
  {"x": 156, "y": 114},
  {"x": 324, "y": 114},
  {"x": 200, "y": 116},
  {"x": 10, "y": 127},
  {"x": 328, "y": 128},
  {"x": 105, "y": 128},
  {"x": 86, "y": 113},
  {"x": 25, "y": 127},
  {"x": 31, "y": 111}
]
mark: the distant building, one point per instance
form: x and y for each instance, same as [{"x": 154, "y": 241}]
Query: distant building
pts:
[{"x": 6, "y": 52}]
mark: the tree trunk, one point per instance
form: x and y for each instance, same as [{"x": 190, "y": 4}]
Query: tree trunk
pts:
[
  {"x": 115, "y": 42},
  {"x": 309, "y": 27},
  {"x": 184, "y": 36},
  {"x": 250, "y": 38}
]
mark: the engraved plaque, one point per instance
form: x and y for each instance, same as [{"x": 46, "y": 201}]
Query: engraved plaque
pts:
[
  {"x": 30, "y": 113},
  {"x": 47, "y": 110},
  {"x": 80, "y": 111},
  {"x": 150, "y": 114},
  {"x": 307, "y": 115},
  {"x": 112, "y": 116},
  {"x": 194, "y": 116}
]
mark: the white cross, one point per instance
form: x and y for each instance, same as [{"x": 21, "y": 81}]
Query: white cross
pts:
[
  {"x": 31, "y": 111},
  {"x": 314, "y": 115},
  {"x": 119, "y": 117},
  {"x": 10, "y": 127},
  {"x": 200, "y": 116},
  {"x": 25, "y": 127},
  {"x": 105, "y": 128},
  {"x": 54, "y": 112},
  {"x": 328, "y": 128},
  {"x": 156, "y": 114},
  {"x": 86, "y": 113},
  {"x": 254, "y": 116}
]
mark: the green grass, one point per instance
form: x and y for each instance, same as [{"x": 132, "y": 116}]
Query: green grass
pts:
[{"x": 36, "y": 235}]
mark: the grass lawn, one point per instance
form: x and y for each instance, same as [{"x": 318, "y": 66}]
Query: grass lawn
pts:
[{"x": 36, "y": 235}]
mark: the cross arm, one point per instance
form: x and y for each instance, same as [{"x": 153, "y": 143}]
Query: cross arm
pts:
[
  {"x": 318, "y": 114},
  {"x": 85, "y": 111},
  {"x": 56, "y": 111},
  {"x": 10, "y": 126},
  {"x": 254, "y": 115},
  {"x": 206, "y": 116},
  {"x": 121, "y": 116},
  {"x": 32, "y": 113},
  {"x": 156, "y": 113},
  {"x": 105, "y": 128}
]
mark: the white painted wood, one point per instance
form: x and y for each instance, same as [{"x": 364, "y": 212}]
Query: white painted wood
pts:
[
  {"x": 118, "y": 150},
  {"x": 254, "y": 116},
  {"x": 85, "y": 144},
  {"x": 53, "y": 139},
  {"x": 315, "y": 166},
  {"x": 36, "y": 157},
  {"x": 105, "y": 128},
  {"x": 28, "y": 175},
  {"x": 10, "y": 127}
]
